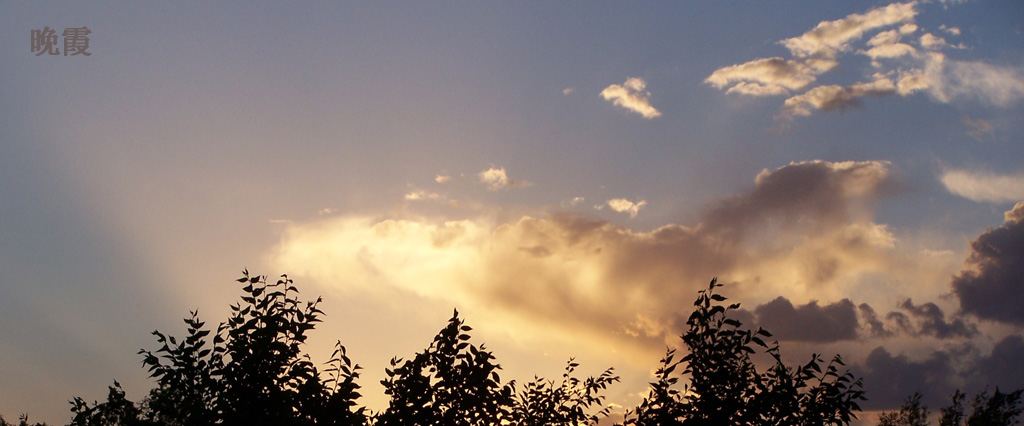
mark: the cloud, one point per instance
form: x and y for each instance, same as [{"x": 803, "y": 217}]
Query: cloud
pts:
[
  {"x": 442, "y": 178},
  {"x": 568, "y": 90},
  {"x": 632, "y": 96},
  {"x": 949, "y": 80},
  {"x": 423, "y": 195},
  {"x": 991, "y": 284},
  {"x": 932, "y": 42},
  {"x": 804, "y": 231},
  {"x": 830, "y": 37},
  {"x": 495, "y": 178},
  {"x": 869, "y": 319},
  {"x": 932, "y": 321},
  {"x": 809, "y": 323},
  {"x": 767, "y": 76},
  {"x": 902, "y": 67},
  {"x": 1001, "y": 368},
  {"x": 886, "y": 45},
  {"x": 889, "y": 379},
  {"x": 623, "y": 205},
  {"x": 832, "y": 97},
  {"x": 984, "y": 187},
  {"x": 978, "y": 128},
  {"x": 951, "y": 30}
]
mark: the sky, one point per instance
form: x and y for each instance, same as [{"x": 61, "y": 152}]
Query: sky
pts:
[{"x": 566, "y": 174}]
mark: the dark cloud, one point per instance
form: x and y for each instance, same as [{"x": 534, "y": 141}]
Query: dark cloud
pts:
[
  {"x": 931, "y": 321},
  {"x": 889, "y": 379},
  {"x": 1003, "y": 367},
  {"x": 815, "y": 192},
  {"x": 875, "y": 327},
  {"x": 810, "y": 322},
  {"x": 993, "y": 282},
  {"x": 901, "y": 322}
]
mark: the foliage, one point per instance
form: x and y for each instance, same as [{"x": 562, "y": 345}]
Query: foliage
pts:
[
  {"x": 726, "y": 388},
  {"x": 912, "y": 413},
  {"x": 543, "y": 403},
  {"x": 22, "y": 421},
  {"x": 452, "y": 382},
  {"x": 999, "y": 409},
  {"x": 254, "y": 373}
]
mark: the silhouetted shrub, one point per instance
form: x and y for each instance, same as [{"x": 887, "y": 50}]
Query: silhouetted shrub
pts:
[
  {"x": 998, "y": 409},
  {"x": 725, "y": 387}
]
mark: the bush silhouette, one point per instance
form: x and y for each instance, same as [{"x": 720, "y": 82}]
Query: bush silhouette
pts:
[
  {"x": 998, "y": 409},
  {"x": 251, "y": 371},
  {"x": 725, "y": 387},
  {"x": 254, "y": 372}
]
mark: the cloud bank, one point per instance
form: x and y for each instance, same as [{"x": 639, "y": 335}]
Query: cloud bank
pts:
[
  {"x": 991, "y": 285},
  {"x": 804, "y": 231}
]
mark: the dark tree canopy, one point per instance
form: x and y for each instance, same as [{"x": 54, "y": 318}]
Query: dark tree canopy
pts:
[
  {"x": 725, "y": 387},
  {"x": 252, "y": 371}
]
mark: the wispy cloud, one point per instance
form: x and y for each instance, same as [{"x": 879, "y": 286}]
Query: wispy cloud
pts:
[
  {"x": 631, "y": 95},
  {"x": 978, "y": 129},
  {"x": 832, "y": 97},
  {"x": 767, "y": 76},
  {"x": 830, "y": 37},
  {"x": 423, "y": 195},
  {"x": 983, "y": 186},
  {"x": 901, "y": 64},
  {"x": 994, "y": 85}
]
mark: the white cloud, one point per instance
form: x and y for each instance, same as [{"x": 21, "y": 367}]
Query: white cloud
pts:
[
  {"x": 984, "y": 187},
  {"x": 568, "y": 90},
  {"x": 907, "y": 69},
  {"x": 894, "y": 50},
  {"x": 828, "y": 98},
  {"x": 442, "y": 178},
  {"x": 767, "y": 76},
  {"x": 884, "y": 38},
  {"x": 932, "y": 42},
  {"x": 830, "y": 37},
  {"x": 495, "y": 178},
  {"x": 623, "y": 205},
  {"x": 574, "y": 201},
  {"x": 631, "y": 95}
]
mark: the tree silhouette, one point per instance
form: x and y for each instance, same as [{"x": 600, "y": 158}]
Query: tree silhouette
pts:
[
  {"x": 998, "y": 409},
  {"x": 253, "y": 374},
  {"x": 251, "y": 371},
  {"x": 725, "y": 387},
  {"x": 543, "y": 403}
]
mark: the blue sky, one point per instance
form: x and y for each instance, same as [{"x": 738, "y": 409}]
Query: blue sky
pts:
[{"x": 567, "y": 175}]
